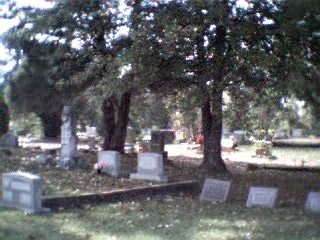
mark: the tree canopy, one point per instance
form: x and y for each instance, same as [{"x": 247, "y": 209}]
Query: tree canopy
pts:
[{"x": 196, "y": 48}]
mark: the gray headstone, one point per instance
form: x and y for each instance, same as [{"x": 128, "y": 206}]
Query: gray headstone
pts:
[
  {"x": 69, "y": 139},
  {"x": 150, "y": 167},
  {"x": 43, "y": 158},
  {"x": 22, "y": 190},
  {"x": 91, "y": 131},
  {"x": 157, "y": 142},
  {"x": 296, "y": 132},
  {"x": 215, "y": 190},
  {"x": 112, "y": 162},
  {"x": 313, "y": 202},
  {"x": 262, "y": 197},
  {"x": 9, "y": 140}
]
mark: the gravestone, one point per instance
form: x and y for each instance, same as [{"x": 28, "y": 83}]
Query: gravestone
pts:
[
  {"x": 22, "y": 190},
  {"x": 296, "y": 132},
  {"x": 69, "y": 139},
  {"x": 313, "y": 202},
  {"x": 43, "y": 158},
  {"x": 91, "y": 133},
  {"x": 157, "y": 142},
  {"x": 9, "y": 140},
  {"x": 215, "y": 190},
  {"x": 262, "y": 197},
  {"x": 150, "y": 167},
  {"x": 112, "y": 162}
]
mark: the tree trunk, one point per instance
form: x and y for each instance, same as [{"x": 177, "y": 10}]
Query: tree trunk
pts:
[
  {"x": 51, "y": 123},
  {"x": 212, "y": 132},
  {"x": 109, "y": 121},
  {"x": 69, "y": 139},
  {"x": 116, "y": 128},
  {"x": 120, "y": 133}
]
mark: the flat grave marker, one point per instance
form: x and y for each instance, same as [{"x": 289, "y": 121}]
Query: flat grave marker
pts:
[
  {"x": 313, "y": 202},
  {"x": 150, "y": 167},
  {"x": 23, "y": 191},
  {"x": 262, "y": 197},
  {"x": 215, "y": 190}
]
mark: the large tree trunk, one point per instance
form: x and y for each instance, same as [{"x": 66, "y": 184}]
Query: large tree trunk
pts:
[
  {"x": 212, "y": 132},
  {"x": 109, "y": 121},
  {"x": 51, "y": 123},
  {"x": 69, "y": 139},
  {"x": 116, "y": 127}
]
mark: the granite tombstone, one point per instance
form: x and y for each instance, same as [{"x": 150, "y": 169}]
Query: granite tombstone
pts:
[
  {"x": 150, "y": 167},
  {"x": 262, "y": 197},
  {"x": 215, "y": 190}
]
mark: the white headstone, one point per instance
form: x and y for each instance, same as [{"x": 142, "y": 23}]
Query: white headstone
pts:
[
  {"x": 215, "y": 190},
  {"x": 91, "y": 131},
  {"x": 262, "y": 196},
  {"x": 313, "y": 202},
  {"x": 22, "y": 190},
  {"x": 150, "y": 167},
  {"x": 296, "y": 132},
  {"x": 112, "y": 162}
]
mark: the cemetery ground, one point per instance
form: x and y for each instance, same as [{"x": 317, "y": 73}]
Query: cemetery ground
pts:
[{"x": 170, "y": 216}]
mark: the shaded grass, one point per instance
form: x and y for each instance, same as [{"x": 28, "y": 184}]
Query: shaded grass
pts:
[
  {"x": 293, "y": 186},
  {"x": 163, "y": 217}
]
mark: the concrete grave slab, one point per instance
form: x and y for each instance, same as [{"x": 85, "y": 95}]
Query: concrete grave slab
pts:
[
  {"x": 313, "y": 202},
  {"x": 262, "y": 197},
  {"x": 215, "y": 190}
]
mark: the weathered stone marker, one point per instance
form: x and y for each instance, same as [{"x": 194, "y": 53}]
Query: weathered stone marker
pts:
[
  {"x": 150, "y": 167},
  {"x": 69, "y": 140},
  {"x": 91, "y": 133},
  {"x": 22, "y": 190},
  {"x": 313, "y": 202},
  {"x": 112, "y": 162},
  {"x": 215, "y": 190},
  {"x": 262, "y": 197}
]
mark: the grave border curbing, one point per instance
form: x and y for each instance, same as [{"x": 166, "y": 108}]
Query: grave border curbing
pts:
[{"x": 64, "y": 202}]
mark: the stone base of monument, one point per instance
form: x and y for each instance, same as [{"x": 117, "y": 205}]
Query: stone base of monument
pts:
[{"x": 163, "y": 178}]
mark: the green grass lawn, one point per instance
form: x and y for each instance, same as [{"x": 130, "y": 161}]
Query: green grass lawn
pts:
[{"x": 162, "y": 217}]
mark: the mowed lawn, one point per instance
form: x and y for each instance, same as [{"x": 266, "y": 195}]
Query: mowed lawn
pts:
[{"x": 163, "y": 217}]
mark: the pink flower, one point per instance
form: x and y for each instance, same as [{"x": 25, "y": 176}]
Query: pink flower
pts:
[{"x": 99, "y": 165}]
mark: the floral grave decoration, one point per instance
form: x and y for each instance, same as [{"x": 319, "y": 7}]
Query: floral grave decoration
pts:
[{"x": 99, "y": 166}]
